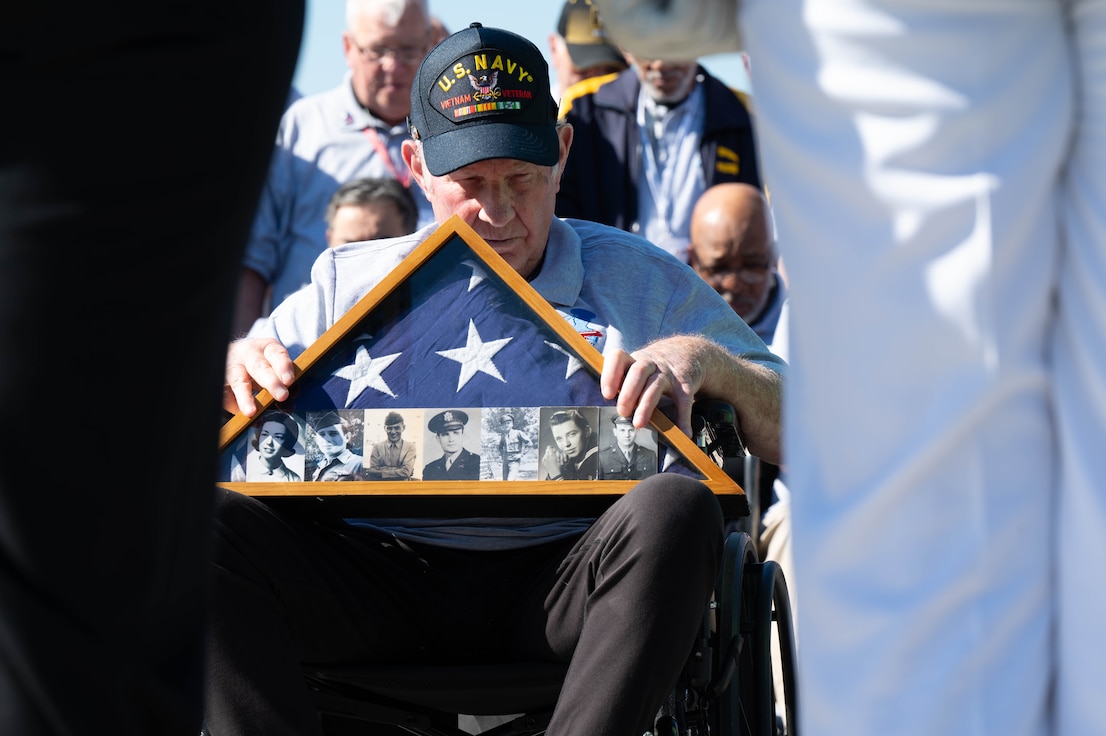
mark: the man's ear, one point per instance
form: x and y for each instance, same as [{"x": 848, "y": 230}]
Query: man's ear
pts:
[
  {"x": 565, "y": 133},
  {"x": 410, "y": 151},
  {"x": 564, "y": 136}
]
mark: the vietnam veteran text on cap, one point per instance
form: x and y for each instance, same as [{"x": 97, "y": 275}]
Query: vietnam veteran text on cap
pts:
[{"x": 483, "y": 93}]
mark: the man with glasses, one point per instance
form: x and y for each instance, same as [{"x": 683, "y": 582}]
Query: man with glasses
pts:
[
  {"x": 326, "y": 139},
  {"x": 733, "y": 248}
]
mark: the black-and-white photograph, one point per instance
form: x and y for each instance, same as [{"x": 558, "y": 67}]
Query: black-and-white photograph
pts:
[
  {"x": 509, "y": 443},
  {"x": 569, "y": 443},
  {"x": 276, "y": 452},
  {"x": 335, "y": 445},
  {"x": 452, "y": 443},
  {"x": 392, "y": 437},
  {"x": 625, "y": 451}
]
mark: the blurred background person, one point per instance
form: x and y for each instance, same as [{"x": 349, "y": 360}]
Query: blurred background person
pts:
[
  {"x": 438, "y": 30},
  {"x": 648, "y": 142},
  {"x": 580, "y": 49},
  {"x": 734, "y": 249},
  {"x": 370, "y": 208},
  {"x": 325, "y": 139},
  {"x": 102, "y": 594}
]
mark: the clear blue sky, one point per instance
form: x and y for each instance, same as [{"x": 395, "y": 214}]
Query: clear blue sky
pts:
[{"x": 321, "y": 63}]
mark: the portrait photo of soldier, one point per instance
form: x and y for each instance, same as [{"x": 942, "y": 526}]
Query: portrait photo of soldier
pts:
[
  {"x": 626, "y": 452},
  {"x": 455, "y": 460}
]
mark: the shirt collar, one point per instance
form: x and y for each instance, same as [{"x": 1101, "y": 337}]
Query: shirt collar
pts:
[
  {"x": 561, "y": 277},
  {"x": 356, "y": 117}
]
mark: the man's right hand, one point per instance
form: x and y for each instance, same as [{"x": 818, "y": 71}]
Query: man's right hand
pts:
[{"x": 255, "y": 363}]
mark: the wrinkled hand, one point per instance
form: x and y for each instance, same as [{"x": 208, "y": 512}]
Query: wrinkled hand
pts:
[
  {"x": 669, "y": 367},
  {"x": 683, "y": 367},
  {"x": 253, "y": 364}
]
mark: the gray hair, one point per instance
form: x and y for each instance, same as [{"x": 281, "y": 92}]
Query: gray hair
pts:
[{"x": 389, "y": 10}]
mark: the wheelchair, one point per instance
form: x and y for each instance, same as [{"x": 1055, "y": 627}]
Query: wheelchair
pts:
[{"x": 727, "y": 686}]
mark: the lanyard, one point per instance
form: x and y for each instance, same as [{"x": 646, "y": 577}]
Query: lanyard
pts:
[{"x": 384, "y": 153}]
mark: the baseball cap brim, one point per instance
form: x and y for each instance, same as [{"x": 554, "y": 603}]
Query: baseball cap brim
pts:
[
  {"x": 586, "y": 55},
  {"x": 450, "y": 150}
]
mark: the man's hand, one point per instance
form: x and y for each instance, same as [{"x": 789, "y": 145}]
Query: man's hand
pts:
[
  {"x": 668, "y": 367},
  {"x": 254, "y": 364},
  {"x": 683, "y": 367}
]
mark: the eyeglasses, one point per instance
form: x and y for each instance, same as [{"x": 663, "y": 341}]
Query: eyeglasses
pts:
[
  {"x": 402, "y": 55},
  {"x": 751, "y": 275}
]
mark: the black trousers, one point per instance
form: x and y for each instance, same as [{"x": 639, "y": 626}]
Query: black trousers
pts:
[
  {"x": 134, "y": 140},
  {"x": 622, "y": 603}
]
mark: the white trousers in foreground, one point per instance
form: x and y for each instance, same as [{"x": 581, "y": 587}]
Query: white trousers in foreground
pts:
[{"x": 937, "y": 170}]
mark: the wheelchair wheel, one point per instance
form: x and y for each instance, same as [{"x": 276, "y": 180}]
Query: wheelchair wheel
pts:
[
  {"x": 767, "y": 701},
  {"x": 775, "y": 613},
  {"x": 737, "y": 709},
  {"x": 753, "y": 615}
]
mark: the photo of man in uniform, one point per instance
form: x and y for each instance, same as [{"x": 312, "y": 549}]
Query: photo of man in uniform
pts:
[
  {"x": 622, "y": 456},
  {"x": 457, "y": 462},
  {"x": 394, "y": 457},
  {"x": 571, "y": 444},
  {"x": 512, "y": 444},
  {"x": 335, "y": 456}
]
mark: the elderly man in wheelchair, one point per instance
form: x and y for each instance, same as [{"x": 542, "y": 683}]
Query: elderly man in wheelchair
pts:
[{"x": 617, "y": 599}]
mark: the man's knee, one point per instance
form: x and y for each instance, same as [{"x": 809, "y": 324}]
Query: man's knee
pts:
[{"x": 678, "y": 502}]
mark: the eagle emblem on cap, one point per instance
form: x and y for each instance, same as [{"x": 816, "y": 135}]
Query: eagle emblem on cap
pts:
[{"x": 487, "y": 88}]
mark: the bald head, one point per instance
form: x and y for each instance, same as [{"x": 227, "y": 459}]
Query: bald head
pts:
[
  {"x": 727, "y": 218},
  {"x": 732, "y": 247}
]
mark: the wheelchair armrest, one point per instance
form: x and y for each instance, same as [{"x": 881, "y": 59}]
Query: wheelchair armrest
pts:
[{"x": 717, "y": 431}]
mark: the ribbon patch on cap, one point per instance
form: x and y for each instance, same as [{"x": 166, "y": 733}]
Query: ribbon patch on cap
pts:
[{"x": 483, "y": 83}]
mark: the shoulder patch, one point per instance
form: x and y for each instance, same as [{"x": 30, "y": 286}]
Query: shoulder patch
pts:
[{"x": 579, "y": 89}]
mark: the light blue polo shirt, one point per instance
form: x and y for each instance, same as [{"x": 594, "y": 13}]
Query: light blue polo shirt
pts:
[{"x": 321, "y": 144}]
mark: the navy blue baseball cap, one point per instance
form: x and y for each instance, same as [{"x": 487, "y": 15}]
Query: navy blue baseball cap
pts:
[{"x": 483, "y": 93}]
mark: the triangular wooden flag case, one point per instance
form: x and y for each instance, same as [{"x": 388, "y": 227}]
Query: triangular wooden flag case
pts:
[{"x": 454, "y": 327}]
